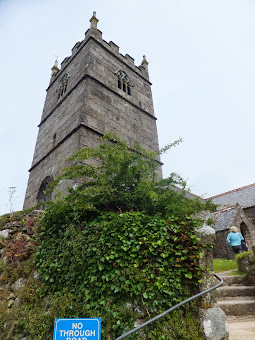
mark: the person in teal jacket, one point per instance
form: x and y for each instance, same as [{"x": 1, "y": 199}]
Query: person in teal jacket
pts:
[{"x": 234, "y": 240}]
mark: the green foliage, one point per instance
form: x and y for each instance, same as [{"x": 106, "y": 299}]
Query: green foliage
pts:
[
  {"x": 4, "y": 219},
  {"x": 126, "y": 254},
  {"x": 33, "y": 317},
  {"x": 178, "y": 325},
  {"x": 128, "y": 257},
  {"x": 237, "y": 272},
  {"x": 120, "y": 238},
  {"x": 17, "y": 215},
  {"x": 243, "y": 255},
  {"x": 113, "y": 177}
]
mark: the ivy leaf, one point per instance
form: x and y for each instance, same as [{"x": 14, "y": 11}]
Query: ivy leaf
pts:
[
  {"x": 189, "y": 275},
  {"x": 101, "y": 266}
]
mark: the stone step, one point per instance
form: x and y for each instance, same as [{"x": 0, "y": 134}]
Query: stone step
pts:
[
  {"x": 235, "y": 291},
  {"x": 238, "y": 307},
  {"x": 237, "y": 298},
  {"x": 232, "y": 279}
]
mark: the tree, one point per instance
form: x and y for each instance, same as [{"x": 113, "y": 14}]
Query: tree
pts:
[{"x": 121, "y": 178}]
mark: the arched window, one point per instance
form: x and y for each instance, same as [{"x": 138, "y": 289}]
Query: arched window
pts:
[
  {"x": 63, "y": 85},
  {"x": 124, "y": 82},
  {"x": 42, "y": 196}
]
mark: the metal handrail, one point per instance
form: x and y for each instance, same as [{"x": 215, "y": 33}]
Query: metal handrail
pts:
[{"x": 172, "y": 309}]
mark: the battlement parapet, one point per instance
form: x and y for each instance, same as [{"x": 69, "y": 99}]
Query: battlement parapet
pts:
[
  {"x": 96, "y": 34},
  {"x": 76, "y": 46}
]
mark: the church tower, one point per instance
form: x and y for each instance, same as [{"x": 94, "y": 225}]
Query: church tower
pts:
[{"x": 96, "y": 90}]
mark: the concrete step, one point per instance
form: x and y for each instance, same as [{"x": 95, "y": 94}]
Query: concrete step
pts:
[
  {"x": 238, "y": 307},
  {"x": 237, "y": 298},
  {"x": 232, "y": 279},
  {"x": 234, "y": 291}
]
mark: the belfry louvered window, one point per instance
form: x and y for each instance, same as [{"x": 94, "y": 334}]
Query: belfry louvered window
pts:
[
  {"x": 63, "y": 85},
  {"x": 124, "y": 82}
]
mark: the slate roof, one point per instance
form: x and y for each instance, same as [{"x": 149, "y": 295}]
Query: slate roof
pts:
[
  {"x": 188, "y": 194},
  {"x": 224, "y": 218},
  {"x": 244, "y": 196}
]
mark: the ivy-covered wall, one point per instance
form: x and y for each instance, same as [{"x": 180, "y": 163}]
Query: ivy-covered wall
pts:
[{"x": 29, "y": 305}]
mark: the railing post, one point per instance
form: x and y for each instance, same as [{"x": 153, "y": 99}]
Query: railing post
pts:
[{"x": 212, "y": 317}]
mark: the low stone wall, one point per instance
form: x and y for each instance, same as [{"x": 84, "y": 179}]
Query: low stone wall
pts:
[
  {"x": 246, "y": 264},
  {"x": 212, "y": 317},
  {"x": 17, "y": 244},
  {"x": 221, "y": 249}
]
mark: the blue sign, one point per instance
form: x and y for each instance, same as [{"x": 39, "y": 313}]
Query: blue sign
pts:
[{"x": 77, "y": 329}]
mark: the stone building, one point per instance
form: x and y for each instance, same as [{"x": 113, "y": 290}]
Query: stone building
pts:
[
  {"x": 95, "y": 91},
  {"x": 236, "y": 207}
]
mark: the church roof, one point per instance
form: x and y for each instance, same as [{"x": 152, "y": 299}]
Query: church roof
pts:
[
  {"x": 188, "y": 194},
  {"x": 223, "y": 218},
  {"x": 244, "y": 196}
]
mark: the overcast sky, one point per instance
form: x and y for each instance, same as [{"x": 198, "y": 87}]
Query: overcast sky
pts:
[{"x": 201, "y": 56}]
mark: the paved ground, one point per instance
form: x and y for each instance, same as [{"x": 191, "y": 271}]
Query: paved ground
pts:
[{"x": 241, "y": 327}]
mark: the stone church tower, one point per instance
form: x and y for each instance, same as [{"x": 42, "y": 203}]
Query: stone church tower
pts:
[{"x": 95, "y": 91}]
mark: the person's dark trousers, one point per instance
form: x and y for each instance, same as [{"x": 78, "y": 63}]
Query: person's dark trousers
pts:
[{"x": 237, "y": 249}]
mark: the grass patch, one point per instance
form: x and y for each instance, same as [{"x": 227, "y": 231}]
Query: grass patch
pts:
[
  {"x": 237, "y": 272},
  {"x": 222, "y": 265}
]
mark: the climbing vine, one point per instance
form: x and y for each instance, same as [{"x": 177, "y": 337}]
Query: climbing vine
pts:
[{"x": 121, "y": 240}]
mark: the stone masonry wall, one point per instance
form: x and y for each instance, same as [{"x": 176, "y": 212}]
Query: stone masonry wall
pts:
[
  {"x": 51, "y": 165},
  {"x": 221, "y": 249}
]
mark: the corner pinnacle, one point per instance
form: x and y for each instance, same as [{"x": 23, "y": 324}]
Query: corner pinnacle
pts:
[
  {"x": 55, "y": 68},
  {"x": 144, "y": 62},
  {"x": 93, "y": 21}
]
